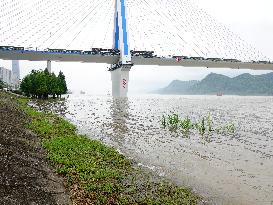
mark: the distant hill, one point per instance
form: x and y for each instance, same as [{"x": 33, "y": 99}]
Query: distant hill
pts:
[
  {"x": 213, "y": 83},
  {"x": 177, "y": 87}
]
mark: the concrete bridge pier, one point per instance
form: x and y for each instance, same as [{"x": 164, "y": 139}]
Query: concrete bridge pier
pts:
[
  {"x": 49, "y": 66},
  {"x": 120, "y": 81}
]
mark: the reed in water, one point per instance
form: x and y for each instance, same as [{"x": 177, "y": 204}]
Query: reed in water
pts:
[{"x": 204, "y": 125}]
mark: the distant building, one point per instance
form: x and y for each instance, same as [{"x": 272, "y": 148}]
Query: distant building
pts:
[
  {"x": 15, "y": 74},
  {"x": 6, "y": 76},
  {"x": 11, "y": 77}
]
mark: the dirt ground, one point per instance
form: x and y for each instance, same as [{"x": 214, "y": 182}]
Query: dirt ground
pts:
[{"x": 25, "y": 175}]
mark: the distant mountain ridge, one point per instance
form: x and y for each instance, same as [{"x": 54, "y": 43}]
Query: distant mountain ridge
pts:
[{"x": 244, "y": 84}]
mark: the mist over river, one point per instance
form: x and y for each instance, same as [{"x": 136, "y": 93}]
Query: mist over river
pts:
[{"x": 225, "y": 169}]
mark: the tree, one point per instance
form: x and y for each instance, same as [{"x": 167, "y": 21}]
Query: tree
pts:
[
  {"x": 41, "y": 84},
  {"x": 26, "y": 85},
  {"x": 53, "y": 85},
  {"x": 62, "y": 87},
  {"x": 2, "y": 85}
]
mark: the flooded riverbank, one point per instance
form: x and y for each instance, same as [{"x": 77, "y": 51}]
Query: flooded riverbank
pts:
[{"x": 227, "y": 169}]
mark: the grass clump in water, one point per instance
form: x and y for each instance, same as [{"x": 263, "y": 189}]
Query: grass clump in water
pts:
[
  {"x": 226, "y": 129},
  {"x": 186, "y": 125},
  {"x": 96, "y": 173},
  {"x": 203, "y": 126}
]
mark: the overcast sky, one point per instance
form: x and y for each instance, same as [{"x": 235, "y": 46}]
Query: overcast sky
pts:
[{"x": 250, "y": 19}]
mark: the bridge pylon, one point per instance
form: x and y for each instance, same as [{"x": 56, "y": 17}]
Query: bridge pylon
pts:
[
  {"x": 48, "y": 66},
  {"x": 120, "y": 70}
]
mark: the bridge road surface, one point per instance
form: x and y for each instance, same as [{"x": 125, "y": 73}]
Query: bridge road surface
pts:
[{"x": 136, "y": 60}]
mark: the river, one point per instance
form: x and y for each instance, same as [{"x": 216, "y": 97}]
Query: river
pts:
[{"x": 225, "y": 169}]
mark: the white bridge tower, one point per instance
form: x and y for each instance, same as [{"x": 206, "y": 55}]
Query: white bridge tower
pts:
[{"x": 120, "y": 70}]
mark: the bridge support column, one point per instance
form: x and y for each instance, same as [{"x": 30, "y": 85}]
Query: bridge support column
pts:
[
  {"x": 120, "y": 82},
  {"x": 49, "y": 66}
]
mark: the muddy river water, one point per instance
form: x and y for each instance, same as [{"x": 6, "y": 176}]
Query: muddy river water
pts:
[{"x": 226, "y": 169}]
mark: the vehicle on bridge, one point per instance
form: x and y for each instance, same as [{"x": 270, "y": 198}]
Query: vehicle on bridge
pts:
[
  {"x": 214, "y": 59},
  {"x": 232, "y": 60},
  {"x": 73, "y": 51},
  {"x": 30, "y": 49},
  {"x": 12, "y": 48},
  {"x": 7, "y": 48},
  {"x": 89, "y": 53},
  {"x": 197, "y": 58},
  {"x": 145, "y": 54},
  {"x": 53, "y": 50},
  {"x": 109, "y": 52},
  {"x": 116, "y": 51},
  {"x": 181, "y": 57},
  {"x": 96, "y": 50},
  {"x": 102, "y": 51},
  {"x": 265, "y": 62},
  {"x": 18, "y": 48}
]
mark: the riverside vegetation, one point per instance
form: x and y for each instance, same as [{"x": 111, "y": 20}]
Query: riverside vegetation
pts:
[
  {"x": 26, "y": 176},
  {"x": 41, "y": 84},
  {"x": 96, "y": 173},
  {"x": 2, "y": 84},
  {"x": 185, "y": 125}
]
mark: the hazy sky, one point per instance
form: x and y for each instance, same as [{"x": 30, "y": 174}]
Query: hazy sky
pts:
[{"x": 250, "y": 19}]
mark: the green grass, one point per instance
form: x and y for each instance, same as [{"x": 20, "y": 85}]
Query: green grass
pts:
[
  {"x": 203, "y": 126},
  {"x": 96, "y": 173}
]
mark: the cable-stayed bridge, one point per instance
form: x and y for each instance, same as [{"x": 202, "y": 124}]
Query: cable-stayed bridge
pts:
[{"x": 121, "y": 33}]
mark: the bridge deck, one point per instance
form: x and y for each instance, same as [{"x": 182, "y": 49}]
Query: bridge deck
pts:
[{"x": 137, "y": 60}]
